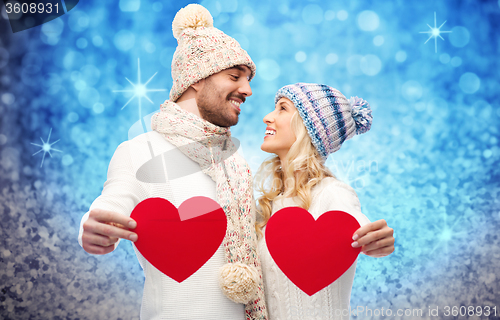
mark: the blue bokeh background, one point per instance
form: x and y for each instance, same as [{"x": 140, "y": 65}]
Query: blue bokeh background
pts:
[{"x": 429, "y": 165}]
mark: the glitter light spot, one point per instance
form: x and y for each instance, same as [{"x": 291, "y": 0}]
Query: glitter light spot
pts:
[
  {"x": 80, "y": 85},
  {"x": 82, "y": 43},
  {"x": 368, "y": 20},
  {"x": 329, "y": 15},
  {"x": 73, "y": 60},
  {"x": 459, "y": 37},
  {"x": 300, "y": 56},
  {"x": 8, "y": 98},
  {"x": 469, "y": 82},
  {"x": 371, "y": 65},
  {"x": 444, "y": 58},
  {"x": 78, "y": 21},
  {"x": 73, "y": 117},
  {"x": 283, "y": 9},
  {"x": 53, "y": 28},
  {"x": 411, "y": 90},
  {"x": 90, "y": 74},
  {"x": 98, "y": 108},
  {"x": 97, "y": 41},
  {"x": 51, "y": 31},
  {"x": 342, "y": 15},
  {"x": 400, "y": 56},
  {"x": 67, "y": 160},
  {"x": 446, "y": 235},
  {"x": 88, "y": 97},
  {"x": 150, "y": 48},
  {"x": 331, "y": 58},
  {"x": 124, "y": 40},
  {"x": 130, "y": 5},
  {"x": 248, "y": 19}
]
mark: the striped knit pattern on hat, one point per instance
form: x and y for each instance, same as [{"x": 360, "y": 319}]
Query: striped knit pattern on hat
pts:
[
  {"x": 212, "y": 148},
  {"x": 328, "y": 116},
  {"x": 202, "y": 49}
]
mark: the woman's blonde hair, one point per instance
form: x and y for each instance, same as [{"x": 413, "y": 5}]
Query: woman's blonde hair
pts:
[{"x": 302, "y": 168}]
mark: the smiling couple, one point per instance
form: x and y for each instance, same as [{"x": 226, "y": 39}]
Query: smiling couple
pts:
[{"x": 212, "y": 75}]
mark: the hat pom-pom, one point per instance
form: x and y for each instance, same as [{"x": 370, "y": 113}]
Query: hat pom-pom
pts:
[
  {"x": 362, "y": 114},
  {"x": 239, "y": 282},
  {"x": 192, "y": 16}
]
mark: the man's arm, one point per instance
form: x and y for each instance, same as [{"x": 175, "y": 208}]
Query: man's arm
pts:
[
  {"x": 103, "y": 228},
  {"x": 108, "y": 219}
]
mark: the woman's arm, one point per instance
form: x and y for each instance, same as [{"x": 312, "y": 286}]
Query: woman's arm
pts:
[{"x": 376, "y": 239}]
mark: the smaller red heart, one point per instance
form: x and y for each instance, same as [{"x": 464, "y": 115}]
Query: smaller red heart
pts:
[
  {"x": 312, "y": 253},
  {"x": 179, "y": 242}
]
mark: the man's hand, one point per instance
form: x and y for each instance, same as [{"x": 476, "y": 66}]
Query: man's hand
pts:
[
  {"x": 375, "y": 239},
  {"x": 102, "y": 230}
]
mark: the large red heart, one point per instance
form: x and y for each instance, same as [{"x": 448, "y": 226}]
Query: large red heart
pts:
[
  {"x": 312, "y": 253},
  {"x": 179, "y": 242}
]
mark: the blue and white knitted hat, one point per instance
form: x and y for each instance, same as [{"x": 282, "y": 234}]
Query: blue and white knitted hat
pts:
[{"x": 329, "y": 117}]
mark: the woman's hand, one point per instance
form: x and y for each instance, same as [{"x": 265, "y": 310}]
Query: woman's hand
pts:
[{"x": 375, "y": 239}]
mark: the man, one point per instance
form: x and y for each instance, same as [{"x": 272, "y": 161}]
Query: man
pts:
[{"x": 211, "y": 74}]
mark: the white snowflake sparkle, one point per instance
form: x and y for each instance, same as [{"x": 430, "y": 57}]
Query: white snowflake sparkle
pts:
[
  {"x": 139, "y": 90},
  {"x": 435, "y": 32},
  {"x": 46, "y": 147}
]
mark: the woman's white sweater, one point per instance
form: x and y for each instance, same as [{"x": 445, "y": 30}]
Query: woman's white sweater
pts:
[{"x": 284, "y": 299}]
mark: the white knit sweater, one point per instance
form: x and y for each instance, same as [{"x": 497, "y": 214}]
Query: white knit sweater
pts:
[
  {"x": 284, "y": 299},
  {"x": 199, "y": 296}
]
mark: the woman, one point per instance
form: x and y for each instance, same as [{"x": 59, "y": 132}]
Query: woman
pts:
[{"x": 311, "y": 121}]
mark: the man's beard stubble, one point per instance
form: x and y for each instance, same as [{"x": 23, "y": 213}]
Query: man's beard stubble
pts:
[{"x": 209, "y": 104}]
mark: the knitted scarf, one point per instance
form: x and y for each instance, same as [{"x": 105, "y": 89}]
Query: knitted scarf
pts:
[{"x": 211, "y": 147}]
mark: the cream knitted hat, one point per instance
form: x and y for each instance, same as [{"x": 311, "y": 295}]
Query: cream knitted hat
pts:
[{"x": 202, "y": 49}]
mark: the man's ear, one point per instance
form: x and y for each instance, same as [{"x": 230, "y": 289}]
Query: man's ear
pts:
[{"x": 198, "y": 85}]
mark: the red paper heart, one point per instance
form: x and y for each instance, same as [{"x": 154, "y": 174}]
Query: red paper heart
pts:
[
  {"x": 312, "y": 253},
  {"x": 179, "y": 242}
]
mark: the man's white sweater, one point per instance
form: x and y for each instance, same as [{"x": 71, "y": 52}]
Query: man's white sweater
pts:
[{"x": 199, "y": 296}]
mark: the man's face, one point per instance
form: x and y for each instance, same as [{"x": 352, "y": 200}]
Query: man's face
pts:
[{"x": 220, "y": 95}]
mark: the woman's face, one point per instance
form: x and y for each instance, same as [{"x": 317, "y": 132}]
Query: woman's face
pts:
[{"x": 279, "y": 135}]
